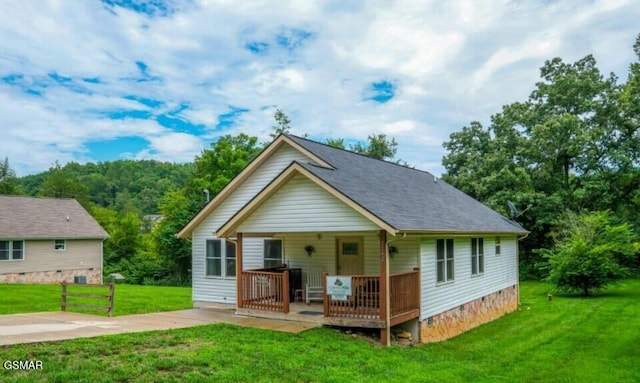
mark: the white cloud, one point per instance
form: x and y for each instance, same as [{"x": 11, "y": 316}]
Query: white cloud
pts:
[
  {"x": 450, "y": 62},
  {"x": 172, "y": 147}
]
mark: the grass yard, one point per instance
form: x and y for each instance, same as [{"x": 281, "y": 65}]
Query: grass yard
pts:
[
  {"x": 570, "y": 339},
  {"x": 128, "y": 299}
]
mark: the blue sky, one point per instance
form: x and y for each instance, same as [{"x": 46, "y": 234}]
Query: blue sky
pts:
[{"x": 161, "y": 79}]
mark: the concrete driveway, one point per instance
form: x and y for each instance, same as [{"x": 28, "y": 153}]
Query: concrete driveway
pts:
[{"x": 49, "y": 326}]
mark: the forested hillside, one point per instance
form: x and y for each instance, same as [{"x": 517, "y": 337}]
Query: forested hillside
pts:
[{"x": 122, "y": 186}]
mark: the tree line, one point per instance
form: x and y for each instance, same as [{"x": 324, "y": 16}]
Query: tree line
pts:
[{"x": 570, "y": 152}]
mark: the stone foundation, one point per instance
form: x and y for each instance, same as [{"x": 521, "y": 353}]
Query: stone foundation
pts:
[
  {"x": 469, "y": 315},
  {"x": 94, "y": 276}
]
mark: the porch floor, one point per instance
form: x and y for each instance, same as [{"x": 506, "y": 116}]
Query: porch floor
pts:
[{"x": 311, "y": 313}]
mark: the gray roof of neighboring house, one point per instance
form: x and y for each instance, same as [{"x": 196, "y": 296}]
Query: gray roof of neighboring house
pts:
[
  {"x": 46, "y": 218},
  {"x": 405, "y": 198}
]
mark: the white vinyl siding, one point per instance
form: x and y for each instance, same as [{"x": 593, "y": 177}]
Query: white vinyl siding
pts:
[
  {"x": 300, "y": 205},
  {"x": 499, "y": 273},
  {"x": 408, "y": 254},
  {"x": 223, "y": 290}
]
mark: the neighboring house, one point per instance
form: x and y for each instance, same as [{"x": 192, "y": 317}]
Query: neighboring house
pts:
[
  {"x": 150, "y": 221},
  {"x": 416, "y": 252},
  {"x": 48, "y": 240}
]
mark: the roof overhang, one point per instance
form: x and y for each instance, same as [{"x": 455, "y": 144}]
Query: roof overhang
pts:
[
  {"x": 239, "y": 179},
  {"x": 462, "y": 232},
  {"x": 229, "y": 228}
]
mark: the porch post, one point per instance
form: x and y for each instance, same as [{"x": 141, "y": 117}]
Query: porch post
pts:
[
  {"x": 239, "y": 270},
  {"x": 385, "y": 309}
]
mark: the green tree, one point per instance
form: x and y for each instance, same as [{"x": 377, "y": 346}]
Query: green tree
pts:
[
  {"x": 125, "y": 238},
  {"x": 60, "y": 184},
  {"x": 178, "y": 209},
  {"x": 8, "y": 179},
  {"x": 591, "y": 251},
  {"x": 282, "y": 126},
  {"x": 568, "y": 125},
  {"x": 216, "y": 166},
  {"x": 466, "y": 160},
  {"x": 378, "y": 146},
  {"x": 336, "y": 143}
]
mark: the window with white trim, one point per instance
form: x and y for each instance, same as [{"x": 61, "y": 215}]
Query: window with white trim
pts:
[
  {"x": 59, "y": 245},
  {"x": 444, "y": 260},
  {"x": 220, "y": 258},
  {"x": 11, "y": 250},
  {"x": 477, "y": 256},
  {"x": 498, "y": 246},
  {"x": 272, "y": 253}
]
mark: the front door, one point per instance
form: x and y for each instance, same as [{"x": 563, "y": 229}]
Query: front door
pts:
[{"x": 350, "y": 256}]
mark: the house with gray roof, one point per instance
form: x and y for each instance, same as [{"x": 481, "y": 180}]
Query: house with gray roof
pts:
[
  {"x": 48, "y": 240},
  {"x": 374, "y": 243}
]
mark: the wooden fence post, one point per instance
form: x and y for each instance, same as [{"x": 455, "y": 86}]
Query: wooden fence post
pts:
[
  {"x": 64, "y": 296},
  {"x": 111, "y": 294}
]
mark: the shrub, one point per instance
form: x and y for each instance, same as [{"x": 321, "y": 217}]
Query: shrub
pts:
[{"x": 592, "y": 251}]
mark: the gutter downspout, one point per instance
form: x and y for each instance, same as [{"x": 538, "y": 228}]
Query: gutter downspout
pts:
[{"x": 518, "y": 264}]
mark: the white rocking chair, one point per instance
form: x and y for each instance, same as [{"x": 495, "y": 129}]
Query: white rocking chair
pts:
[{"x": 313, "y": 287}]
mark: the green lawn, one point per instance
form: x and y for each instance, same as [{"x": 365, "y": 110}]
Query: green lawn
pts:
[
  {"x": 128, "y": 299},
  {"x": 570, "y": 339}
]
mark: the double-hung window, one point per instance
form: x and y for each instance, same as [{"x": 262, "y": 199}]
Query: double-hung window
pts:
[
  {"x": 11, "y": 250},
  {"x": 220, "y": 258},
  {"x": 272, "y": 253},
  {"x": 444, "y": 260},
  {"x": 497, "y": 245},
  {"x": 477, "y": 256}
]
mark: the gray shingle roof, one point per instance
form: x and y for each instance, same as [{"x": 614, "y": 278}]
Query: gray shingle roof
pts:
[
  {"x": 405, "y": 198},
  {"x": 46, "y": 218}
]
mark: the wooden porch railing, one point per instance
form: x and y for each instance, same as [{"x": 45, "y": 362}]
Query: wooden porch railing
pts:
[
  {"x": 364, "y": 302},
  {"x": 405, "y": 296},
  {"x": 263, "y": 290}
]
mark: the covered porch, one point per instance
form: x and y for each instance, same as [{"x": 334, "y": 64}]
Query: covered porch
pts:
[
  {"x": 267, "y": 294},
  {"x": 377, "y": 298}
]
